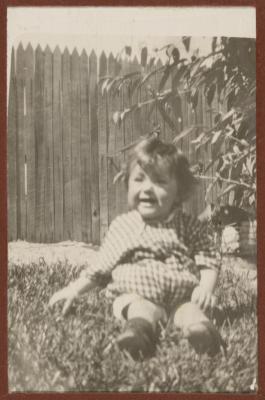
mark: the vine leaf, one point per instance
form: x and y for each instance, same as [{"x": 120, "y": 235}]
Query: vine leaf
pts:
[
  {"x": 166, "y": 117},
  {"x": 175, "y": 55},
  {"x": 227, "y": 190},
  {"x": 128, "y": 50},
  {"x": 148, "y": 76},
  {"x": 117, "y": 118},
  {"x": 216, "y": 136},
  {"x": 164, "y": 78},
  {"x": 144, "y": 56},
  {"x": 186, "y": 42},
  {"x": 183, "y": 134},
  {"x": 210, "y": 94}
]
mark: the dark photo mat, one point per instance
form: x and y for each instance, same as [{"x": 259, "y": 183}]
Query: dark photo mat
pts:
[{"x": 260, "y": 13}]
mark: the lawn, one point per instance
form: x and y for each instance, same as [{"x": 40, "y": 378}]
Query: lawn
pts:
[{"x": 51, "y": 353}]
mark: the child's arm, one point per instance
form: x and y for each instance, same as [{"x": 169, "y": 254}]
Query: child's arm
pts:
[
  {"x": 101, "y": 265},
  {"x": 209, "y": 279},
  {"x": 207, "y": 260},
  {"x": 204, "y": 293},
  {"x": 70, "y": 292}
]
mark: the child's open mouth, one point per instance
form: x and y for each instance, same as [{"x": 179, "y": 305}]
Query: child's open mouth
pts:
[{"x": 147, "y": 201}]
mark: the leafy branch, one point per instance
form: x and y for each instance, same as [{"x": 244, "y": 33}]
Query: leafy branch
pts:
[{"x": 226, "y": 77}]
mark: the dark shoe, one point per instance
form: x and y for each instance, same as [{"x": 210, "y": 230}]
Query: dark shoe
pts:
[
  {"x": 138, "y": 339},
  {"x": 205, "y": 338}
]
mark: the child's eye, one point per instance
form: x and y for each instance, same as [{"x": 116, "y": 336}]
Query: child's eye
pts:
[
  {"x": 138, "y": 178},
  {"x": 161, "y": 181}
]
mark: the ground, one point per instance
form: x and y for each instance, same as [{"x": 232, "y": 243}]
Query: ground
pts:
[
  {"x": 51, "y": 353},
  {"x": 77, "y": 253}
]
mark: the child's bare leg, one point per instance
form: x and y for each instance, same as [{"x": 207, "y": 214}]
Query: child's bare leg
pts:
[
  {"x": 188, "y": 314},
  {"x": 147, "y": 310},
  {"x": 141, "y": 333},
  {"x": 198, "y": 329}
]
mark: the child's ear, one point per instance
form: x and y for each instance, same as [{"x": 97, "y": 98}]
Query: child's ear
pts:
[{"x": 178, "y": 200}]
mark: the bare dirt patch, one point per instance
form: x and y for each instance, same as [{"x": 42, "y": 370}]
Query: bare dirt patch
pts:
[
  {"x": 79, "y": 253},
  {"x": 76, "y": 253}
]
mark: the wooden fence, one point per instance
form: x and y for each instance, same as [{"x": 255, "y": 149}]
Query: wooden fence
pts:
[{"x": 63, "y": 142}]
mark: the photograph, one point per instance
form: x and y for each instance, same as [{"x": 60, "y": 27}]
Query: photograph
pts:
[{"x": 132, "y": 199}]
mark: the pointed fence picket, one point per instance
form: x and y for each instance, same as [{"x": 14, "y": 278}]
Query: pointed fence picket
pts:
[
  {"x": 12, "y": 176},
  {"x": 64, "y": 148},
  {"x": 113, "y": 131},
  {"x": 21, "y": 142},
  {"x": 103, "y": 133},
  {"x": 76, "y": 144},
  {"x": 94, "y": 159},
  {"x": 40, "y": 147},
  {"x": 67, "y": 147},
  {"x": 49, "y": 203},
  {"x": 85, "y": 150}
]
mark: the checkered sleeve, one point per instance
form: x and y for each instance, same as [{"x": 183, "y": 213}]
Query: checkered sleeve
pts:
[
  {"x": 114, "y": 247},
  {"x": 201, "y": 244}
]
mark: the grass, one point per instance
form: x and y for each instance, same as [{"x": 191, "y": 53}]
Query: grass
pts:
[{"x": 51, "y": 353}]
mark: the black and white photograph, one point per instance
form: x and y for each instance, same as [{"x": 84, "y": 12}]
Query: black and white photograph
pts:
[{"x": 131, "y": 193}]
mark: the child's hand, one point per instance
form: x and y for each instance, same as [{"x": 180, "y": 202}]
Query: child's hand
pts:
[
  {"x": 68, "y": 294},
  {"x": 204, "y": 298}
]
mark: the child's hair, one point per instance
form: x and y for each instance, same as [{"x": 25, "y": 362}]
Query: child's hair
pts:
[{"x": 154, "y": 155}]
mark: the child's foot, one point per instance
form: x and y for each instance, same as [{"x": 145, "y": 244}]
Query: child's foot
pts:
[
  {"x": 138, "y": 339},
  {"x": 205, "y": 338}
]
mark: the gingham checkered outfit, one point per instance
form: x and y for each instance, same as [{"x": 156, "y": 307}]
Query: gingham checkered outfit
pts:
[{"x": 158, "y": 261}]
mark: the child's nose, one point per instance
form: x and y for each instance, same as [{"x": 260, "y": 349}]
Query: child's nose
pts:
[{"x": 147, "y": 186}]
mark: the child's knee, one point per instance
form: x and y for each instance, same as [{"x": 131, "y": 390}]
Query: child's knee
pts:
[
  {"x": 147, "y": 310},
  {"x": 121, "y": 305},
  {"x": 128, "y": 306},
  {"x": 188, "y": 314}
]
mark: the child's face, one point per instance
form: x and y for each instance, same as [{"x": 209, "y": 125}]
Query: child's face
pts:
[{"x": 153, "y": 195}]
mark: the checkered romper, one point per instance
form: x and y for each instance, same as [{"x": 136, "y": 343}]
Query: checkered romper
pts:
[{"x": 158, "y": 261}]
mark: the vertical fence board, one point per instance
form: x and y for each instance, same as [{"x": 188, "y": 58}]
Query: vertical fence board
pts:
[
  {"x": 136, "y": 115},
  {"x": 40, "y": 143},
  {"x": 49, "y": 146},
  {"x": 194, "y": 201},
  {"x": 126, "y": 129},
  {"x": 103, "y": 149},
  {"x": 184, "y": 143},
  {"x": 85, "y": 151},
  {"x": 143, "y": 97},
  {"x": 208, "y": 151},
  {"x": 113, "y": 104},
  {"x": 214, "y": 112},
  {"x": 188, "y": 152},
  {"x": 30, "y": 143},
  {"x": 76, "y": 144},
  {"x": 160, "y": 120},
  {"x": 200, "y": 155},
  {"x": 222, "y": 108},
  {"x": 169, "y": 132},
  {"x": 93, "y": 130},
  {"x": 21, "y": 144},
  {"x": 208, "y": 154},
  {"x": 119, "y": 143},
  {"x": 127, "y": 103},
  {"x": 176, "y": 112},
  {"x": 67, "y": 151},
  {"x": 12, "y": 154},
  {"x": 151, "y": 114},
  {"x": 58, "y": 145}
]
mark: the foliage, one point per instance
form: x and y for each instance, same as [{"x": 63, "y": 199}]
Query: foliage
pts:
[
  {"x": 226, "y": 78},
  {"x": 49, "y": 353}
]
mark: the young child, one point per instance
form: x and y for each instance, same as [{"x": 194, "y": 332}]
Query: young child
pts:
[{"x": 159, "y": 262}]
